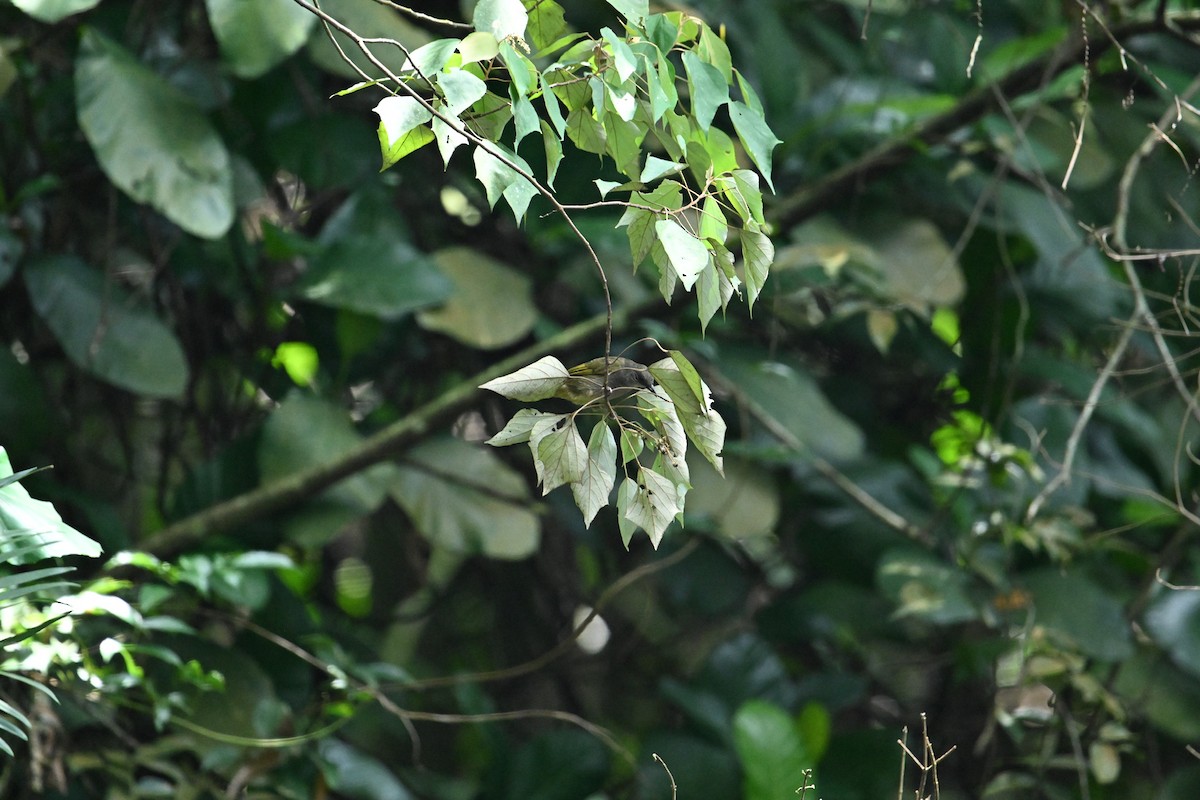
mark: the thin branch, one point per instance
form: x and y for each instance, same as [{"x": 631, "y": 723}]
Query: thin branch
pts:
[{"x": 845, "y": 181}]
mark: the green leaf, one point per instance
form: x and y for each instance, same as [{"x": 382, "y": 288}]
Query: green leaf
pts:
[
  {"x": 52, "y": 11},
  {"x": 489, "y": 117},
  {"x": 586, "y": 131},
  {"x": 774, "y": 756},
  {"x": 256, "y": 36},
  {"x": 431, "y": 58},
  {"x": 299, "y": 360},
  {"x": 687, "y": 254},
  {"x": 305, "y": 430},
  {"x": 464, "y": 499},
  {"x": 658, "y": 167},
  {"x": 538, "y": 381},
  {"x": 102, "y": 332},
  {"x": 713, "y": 50},
  {"x": 634, "y": 11},
  {"x": 757, "y": 137},
  {"x": 708, "y": 295},
  {"x": 653, "y": 505},
  {"x": 795, "y": 403},
  {"x": 692, "y": 400},
  {"x": 501, "y": 18},
  {"x": 1077, "y": 612},
  {"x": 757, "y": 254},
  {"x": 623, "y": 60},
  {"x": 519, "y": 428},
  {"x": 740, "y": 187},
  {"x": 402, "y": 128},
  {"x": 449, "y": 137},
  {"x": 592, "y": 490},
  {"x": 374, "y": 275},
  {"x": 657, "y": 407},
  {"x": 708, "y": 88},
  {"x": 151, "y": 140},
  {"x": 37, "y": 522},
  {"x": 526, "y": 120},
  {"x": 553, "y": 109},
  {"x": 668, "y": 196},
  {"x": 492, "y": 304},
  {"x": 480, "y": 46},
  {"x": 522, "y": 74},
  {"x": 559, "y": 454},
  {"x": 1173, "y": 619},
  {"x": 546, "y": 23},
  {"x": 554, "y": 153},
  {"x": 499, "y": 179},
  {"x": 461, "y": 89}
]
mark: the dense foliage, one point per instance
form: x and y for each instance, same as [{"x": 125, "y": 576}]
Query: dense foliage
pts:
[{"x": 960, "y": 465}]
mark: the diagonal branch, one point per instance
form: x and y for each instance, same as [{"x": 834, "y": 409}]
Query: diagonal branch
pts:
[
  {"x": 849, "y": 178},
  {"x": 387, "y": 443}
]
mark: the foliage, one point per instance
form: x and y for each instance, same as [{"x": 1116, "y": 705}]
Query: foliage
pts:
[{"x": 959, "y": 466}]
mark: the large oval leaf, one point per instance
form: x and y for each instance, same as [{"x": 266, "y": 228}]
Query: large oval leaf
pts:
[
  {"x": 492, "y": 305},
  {"x": 374, "y": 275},
  {"x": 53, "y": 10},
  {"x": 102, "y": 332},
  {"x": 255, "y": 35},
  {"x": 151, "y": 140}
]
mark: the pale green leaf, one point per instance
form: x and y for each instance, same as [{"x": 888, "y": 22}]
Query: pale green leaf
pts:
[
  {"x": 687, "y": 254},
  {"x": 522, "y": 74},
  {"x": 429, "y": 59},
  {"x": 553, "y": 109},
  {"x": 692, "y": 401},
  {"x": 399, "y": 115},
  {"x": 375, "y": 275},
  {"x": 626, "y": 494},
  {"x": 757, "y": 254},
  {"x": 622, "y": 57},
  {"x": 102, "y": 331},
  {"x": 525, "y": 119},
  {"x": 492, "y": 304},
  {"x": 464, "y": 499},
  {"x": 713, "y": 50},
  {"x": 560, "y": 455},
  {"x": 538, "y": 381},
  {"x": 518, "y": 429},
  {"x": 499, "y": 179},
  {"x": 604, "y": 187},
  {"x": 658, "y": 167},
  {"x": 256, "y": 36},
  {"x": 52, "y": 11},
  {"x": 668, "y": 196},
  {"x": 478, "y": 46},
  {"x": 489, "y": 117},
  {"x": 151, "y": 140},
  {"x": 634, "y": 11},
  {"x": 449, "y": 138},
  {"x": 708, "y": 88},
  {"x": 657, "y": 408},
  {"x": 43, "y": 527},
  {"x": 712, "y": 221},
  {"x": 708, "y": 295},
  {"x": 592, "y": 490},
  {"x": 501, "y": 18},
  {"x": 632, "y": 445},
  {"x": 757, "y": 137},
  {"x": 461, "y": 89},
  {"x": 740, "y": 187},
  {"x": 554, "y": 152},
  {"x": 654, "y": 504}
]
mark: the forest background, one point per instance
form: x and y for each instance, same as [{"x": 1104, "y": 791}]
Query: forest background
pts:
[{"x": 958, "y": 506}]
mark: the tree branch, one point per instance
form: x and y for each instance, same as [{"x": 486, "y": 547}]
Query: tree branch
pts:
[
  {"x": 387, "y": 443},
  {"x": 848, "y": 178}
]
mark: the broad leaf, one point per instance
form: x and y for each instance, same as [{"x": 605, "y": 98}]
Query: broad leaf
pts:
[
  {"x": 151, "y": 140},
  {"x": 492, "y": 304},
  {"x": 687, "y": 254},
  {"x": 592, "y": 490},
  {"x": 37, "y": 524},
  {"x": 256, "y": 35},
  {"x": 103, "y": 332},
  {"x": 402, "y": 130},
  {"x": 538, "y": 381},
  {"x": 462, "y": 498},
  {"x": 653, "y": 505},
  {"x": 501, "y": 18},
  {"x": 774, "y": 756},
  {"x": 52, "y": 11},
  {"x": 708, "y": 89},
  {"x": 519, "y": 428},
  {"x": 559, "y": 453},
  {"x": 374, "y": 275},
  {"x": 757, "y": 254},
  {"x": 756, "y": 136}
]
